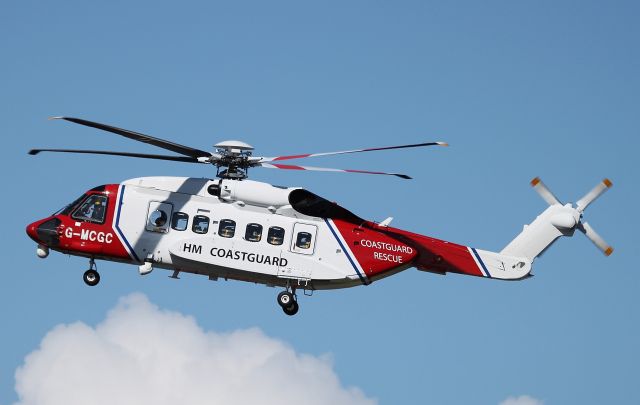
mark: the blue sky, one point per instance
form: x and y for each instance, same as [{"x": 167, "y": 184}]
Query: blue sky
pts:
[{"x": 519, "y": 89}]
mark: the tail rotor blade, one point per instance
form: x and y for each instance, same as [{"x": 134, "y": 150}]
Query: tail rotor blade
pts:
[
  {"x": 544, "y": 192},
  {"x": 592, "y": 195},
  {"x": 597, "y": 240}
]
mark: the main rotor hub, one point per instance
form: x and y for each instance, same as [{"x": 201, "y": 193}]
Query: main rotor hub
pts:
[{"x": 234, "y": 159}]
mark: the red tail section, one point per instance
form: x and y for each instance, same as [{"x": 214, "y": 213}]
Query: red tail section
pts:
[
  {"x": 437, "y": 255},
  {"x": 380, "y": 251}
]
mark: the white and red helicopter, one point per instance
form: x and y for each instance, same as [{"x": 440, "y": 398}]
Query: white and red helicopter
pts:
[{"x": 234, "y": 228}]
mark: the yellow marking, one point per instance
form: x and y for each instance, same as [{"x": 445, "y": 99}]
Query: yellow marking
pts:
[
  {"x": 607, "y": 183},
  {"x": 535, "y": 182},
  {"x": 608, "y": 251}
]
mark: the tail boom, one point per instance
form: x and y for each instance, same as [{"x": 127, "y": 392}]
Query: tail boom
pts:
[
  {"x": 439, "y": 256},
  {"x": 515, "y": 260}
]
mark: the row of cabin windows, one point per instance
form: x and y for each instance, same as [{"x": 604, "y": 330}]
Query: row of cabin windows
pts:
[
  {"x": 93, "y": 209},
  {"x": 227, "y": 229}
]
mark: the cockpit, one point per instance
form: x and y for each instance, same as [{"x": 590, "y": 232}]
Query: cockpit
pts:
[{"x": 89, "y": 207}]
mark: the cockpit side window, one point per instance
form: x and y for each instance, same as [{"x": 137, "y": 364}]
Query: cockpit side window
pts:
[{"x": 92, "y": 209}]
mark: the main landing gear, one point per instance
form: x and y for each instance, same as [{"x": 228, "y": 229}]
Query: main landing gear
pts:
[
  {"x": 91, "y": 277},
  {"x": 287, "y": 300}
]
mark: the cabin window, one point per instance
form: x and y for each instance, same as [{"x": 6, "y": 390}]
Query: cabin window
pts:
[
  {"x": 159, "y": 217},
  {"x": 253, "y": 233},
  {"x": 227, "y": 228},
  {"x": 158, "y": 220},
  {"x": 92, "y": 209},
  {"x": 275, "y": 235},
  {"x": 180, "y": 221},
  {"x": 200, "y": 224},
  {"x": 303, "y": 240}
]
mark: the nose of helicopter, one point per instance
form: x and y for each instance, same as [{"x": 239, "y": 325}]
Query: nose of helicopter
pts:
[
  {"x": 32, "y": 231},
  {"x": 44, "y": 231}
]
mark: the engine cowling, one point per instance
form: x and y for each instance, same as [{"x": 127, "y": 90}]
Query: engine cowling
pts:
[{"x": 252, "y": 193}]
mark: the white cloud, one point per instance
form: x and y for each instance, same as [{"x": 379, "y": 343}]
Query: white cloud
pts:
[
  {"x": 143, "y": 355},
  {"x": 521, "y": 400}
]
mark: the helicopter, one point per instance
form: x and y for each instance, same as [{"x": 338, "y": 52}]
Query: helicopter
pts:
[{"x": 233, "y": 228}]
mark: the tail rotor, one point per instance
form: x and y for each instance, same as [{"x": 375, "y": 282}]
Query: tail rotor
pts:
[
  {"x": 558, "y": 220},
  {"x": 571, "y": 219}
]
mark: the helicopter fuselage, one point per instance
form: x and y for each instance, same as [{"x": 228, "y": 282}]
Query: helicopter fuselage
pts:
[{"x": 245, "y": 230}]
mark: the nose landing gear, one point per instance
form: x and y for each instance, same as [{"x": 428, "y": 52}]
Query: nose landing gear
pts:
[
  {"x": 287, "y": 300},
  {"x": 91, "y": 277}
]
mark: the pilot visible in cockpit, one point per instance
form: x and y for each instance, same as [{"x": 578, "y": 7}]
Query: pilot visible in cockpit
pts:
[
  {"x": 88, "y": 213},
  {"x": 98, "y": 211},
  {"x": 94, "y": 211}
]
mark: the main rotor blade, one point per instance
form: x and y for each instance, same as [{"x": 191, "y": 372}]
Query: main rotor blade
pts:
[
  {"x": 544, "y": 192},
  {"x": 597, "y": 240},
  {"x": 161, "y": 143},
  {"x": 326, "y": 169},
  {"x": 307, "y": 155},
  {"x": 592, "y": 195},
  {"x": 128, "y": 154}
]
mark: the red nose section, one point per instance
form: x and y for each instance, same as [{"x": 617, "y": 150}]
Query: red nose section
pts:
[
  {"x": 31, "y": 231},
  {"x": 44, "y": 231}
]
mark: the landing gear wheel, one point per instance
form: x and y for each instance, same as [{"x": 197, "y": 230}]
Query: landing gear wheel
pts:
[
  {"x": 91, "y": 277},
  {"x": 285, "y": 299},
  {"x": 291, "y": 309}
]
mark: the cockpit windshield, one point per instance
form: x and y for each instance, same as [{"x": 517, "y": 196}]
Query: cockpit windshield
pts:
[{"x": 66, "y": 210}]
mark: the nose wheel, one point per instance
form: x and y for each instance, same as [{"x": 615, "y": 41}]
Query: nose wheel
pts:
[
  {"x": 288, "y": 303},
  {"x": 91, "y": 277}
]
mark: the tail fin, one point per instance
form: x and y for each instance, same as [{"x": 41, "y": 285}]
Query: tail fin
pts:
[{"x": 557, "y": 220}]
